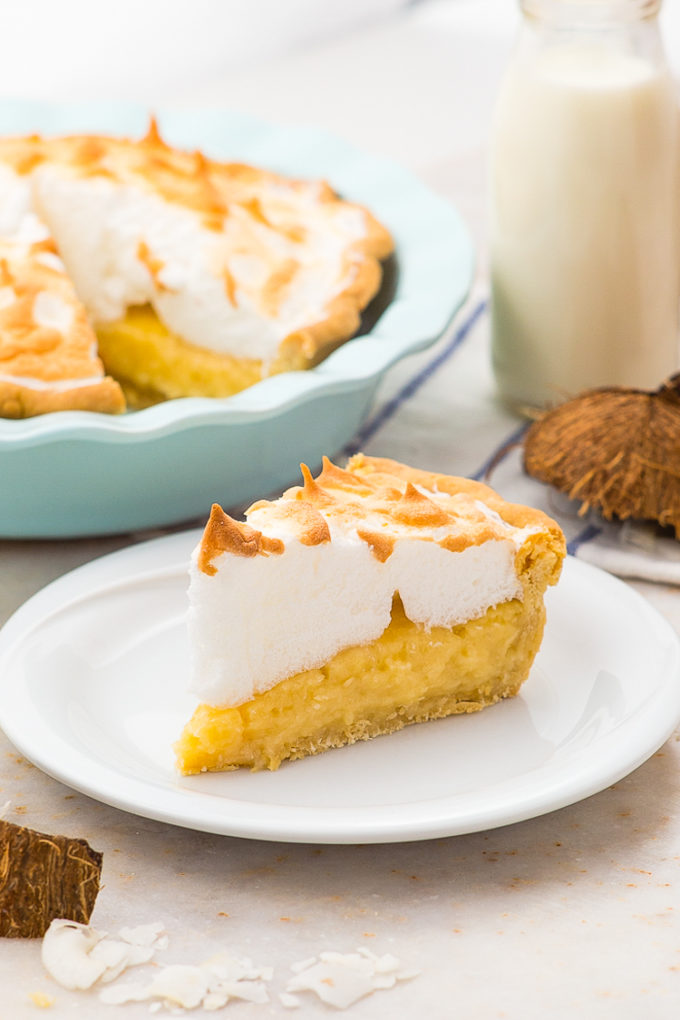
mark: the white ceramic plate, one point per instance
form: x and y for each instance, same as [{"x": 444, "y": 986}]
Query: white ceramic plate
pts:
[{"x": 92, "y": 690}]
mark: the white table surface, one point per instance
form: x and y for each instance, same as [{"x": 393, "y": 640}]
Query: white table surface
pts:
[{"x": 577, "y": 912}]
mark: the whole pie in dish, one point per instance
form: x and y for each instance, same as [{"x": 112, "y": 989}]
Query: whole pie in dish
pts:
[
  {"x": 200, "y": 277},
  {"x": 364, "y": 600}
]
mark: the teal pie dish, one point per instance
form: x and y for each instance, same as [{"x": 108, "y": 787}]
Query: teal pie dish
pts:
[{"x": 79, "y": 473}]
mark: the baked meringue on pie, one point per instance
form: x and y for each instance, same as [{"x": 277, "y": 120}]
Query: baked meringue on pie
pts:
[
  {"x": 356, "y": 604},
  {"x": 48, "y": 358},
  {"x": 200, "y": 277}
]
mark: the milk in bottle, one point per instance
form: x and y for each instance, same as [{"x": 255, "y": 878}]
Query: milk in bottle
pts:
[{"x": 584, "y": 225}]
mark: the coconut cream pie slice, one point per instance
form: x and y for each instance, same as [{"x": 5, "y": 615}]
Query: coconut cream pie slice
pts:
[
  {"x": 48, "y": 358},
  {"x": 200, "y": 276},
  {"x": 357, "y": 603}
]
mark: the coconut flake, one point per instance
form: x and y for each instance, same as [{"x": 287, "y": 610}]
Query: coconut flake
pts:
[
  {"x": 119, "y": 956},
  {"x": 116, "y": 995},
  {"x": 289, "y": 1001},
  {"x": 146, "y": 935},
  {"x": 211, "y": 985},
  {"x": 341, "y": 979},
  {"x": 67, "y": 954},
  {"x": 303, "y": 964},
  {"x": 78, "y": 956}
]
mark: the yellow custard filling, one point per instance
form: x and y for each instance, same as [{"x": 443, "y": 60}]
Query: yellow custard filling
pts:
[
  {"x": 410, "y": 674},
  {"x": 153, "y": 364}
]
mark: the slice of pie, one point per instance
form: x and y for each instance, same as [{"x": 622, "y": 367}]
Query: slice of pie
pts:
[
  {"x": 201, "y": 277},
  {"x": 48, "y": 359},
  {"x": 357, "y": 603}
]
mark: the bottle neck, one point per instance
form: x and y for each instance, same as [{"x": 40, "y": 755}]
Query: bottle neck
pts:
[
  {"x": 625, "y": 26},
  {"x": 590, "y": 13}
]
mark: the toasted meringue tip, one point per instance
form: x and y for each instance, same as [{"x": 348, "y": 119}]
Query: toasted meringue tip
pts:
[
  {"x": 410, "y": 492},
  {"x": 343, "y": 478},
  {"x": 224, "y": 534},
  {"x": 311, "y": 491},
  {"x": 153, "y": 135},
  {"x": 201, "y": 161}
]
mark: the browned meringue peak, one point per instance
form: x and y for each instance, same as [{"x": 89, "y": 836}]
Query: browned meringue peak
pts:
[
  {"x": 310, "y": 524},
  {"x": 339, "y": 478},
  {"x": 311, "y": 491},
  {"x": 416, "y": 509},
  {"x": 224, "y": 534},
  {"x": 380, "y": 544},
  {"x": 301, "y": 516}
]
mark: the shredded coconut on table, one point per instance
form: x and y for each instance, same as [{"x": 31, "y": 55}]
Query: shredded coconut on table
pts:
[{"x": 79, "y": 957}]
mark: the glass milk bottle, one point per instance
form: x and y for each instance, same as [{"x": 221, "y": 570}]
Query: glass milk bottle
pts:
[{"x": 584, "y": 225}]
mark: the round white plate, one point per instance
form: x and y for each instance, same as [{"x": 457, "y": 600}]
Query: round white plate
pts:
[{"x": 93, "y": 671}]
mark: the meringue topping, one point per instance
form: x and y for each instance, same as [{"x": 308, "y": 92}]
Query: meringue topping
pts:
[{"x": 324, "y": 562}]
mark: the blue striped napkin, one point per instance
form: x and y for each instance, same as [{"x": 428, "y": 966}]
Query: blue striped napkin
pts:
[{"x": 439, "y": 411}]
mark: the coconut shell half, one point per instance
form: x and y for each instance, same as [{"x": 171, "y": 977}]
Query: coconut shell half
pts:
[{"x": 614, "y": 449}]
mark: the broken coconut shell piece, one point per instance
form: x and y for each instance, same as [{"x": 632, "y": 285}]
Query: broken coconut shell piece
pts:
[
  {"x": 614, "y": 449},
  {"x": 44, "y": 877}
]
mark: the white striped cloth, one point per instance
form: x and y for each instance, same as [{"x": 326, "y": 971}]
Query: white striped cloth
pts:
[{"x": 439, "y": 411}]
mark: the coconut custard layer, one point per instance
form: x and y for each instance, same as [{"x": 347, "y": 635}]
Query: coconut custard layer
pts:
[
  {"x": 409, "y": 675},
  {"x": 153, "y": 364}
]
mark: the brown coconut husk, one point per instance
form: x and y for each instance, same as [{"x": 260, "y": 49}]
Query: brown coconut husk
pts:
[
  {"x": 614, "y": 449},
  {"x": 43, "y": 877}
]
